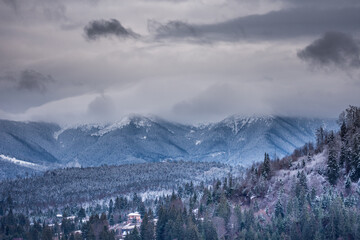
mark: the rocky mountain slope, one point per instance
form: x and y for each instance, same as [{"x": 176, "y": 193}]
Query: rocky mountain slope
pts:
[{"x": 139, "y": 139}]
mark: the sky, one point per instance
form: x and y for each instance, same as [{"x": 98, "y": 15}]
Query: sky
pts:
[{"x": 190, "y": 61}]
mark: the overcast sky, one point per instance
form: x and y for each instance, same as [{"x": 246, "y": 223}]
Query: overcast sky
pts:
[{"x": 185, "y": 60}]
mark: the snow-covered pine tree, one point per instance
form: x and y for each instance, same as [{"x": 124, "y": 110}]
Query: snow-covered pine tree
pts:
[
  {"x": 332, "y": 165},
  {"x": 266, "y": 167}
]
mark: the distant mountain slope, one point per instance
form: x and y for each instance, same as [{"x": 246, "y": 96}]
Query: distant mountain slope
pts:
[
  {"x": 138, "y": 139},
  {"x": 31, "y": 141},
  {"x": 9, "y": 170},
  {"x": 78, "y": 185},
  {"x": 246, "y": 139}
]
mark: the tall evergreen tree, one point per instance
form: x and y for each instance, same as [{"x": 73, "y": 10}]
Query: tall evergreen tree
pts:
[
  {"x": 279, "y": 211},
  {"x": 209, "y": 231},
  {"x": 46, "y": 233},
  {"x": 332, "y": 165},
  {"x": 147, "y": 228},
  {"x": 81, "y": 213},
  {"x": 355, "y": 161},
  {"x": 134, "y": 235},
  {"x": 343, "y": 131},
  {"x": 266, "y": 167},
  {"x": 320, "y": 138}
]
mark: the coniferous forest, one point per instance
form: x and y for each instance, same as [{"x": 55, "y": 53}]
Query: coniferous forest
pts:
[{"x": 312, "y": 194}]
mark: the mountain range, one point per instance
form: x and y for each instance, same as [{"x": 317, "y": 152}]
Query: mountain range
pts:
[{"x": 28, "y": 147}]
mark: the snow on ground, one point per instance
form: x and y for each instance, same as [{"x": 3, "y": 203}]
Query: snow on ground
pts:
[
  {"x": 83, "y": 127},
  {"x": 136, "y": 120},
  {"x": 21, "y": 162},
  {"x": 216, "y": 154},
  {"x": 105, "y": 128},
  {"x": 214, "y": 172},
  {"x": 315, "y": 170},
  {"x": 317, "y": 163},
  {"x": 58, "y": 133},
  {"x": 154, "y": 194},
  {"x": 282, "y": 183},
  {"x": 117, "y": 125}
]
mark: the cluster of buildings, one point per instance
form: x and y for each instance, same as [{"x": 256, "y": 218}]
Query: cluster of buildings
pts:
[
  {"x": 125, "y": 228},
  {"x": 120, "y": 229}
]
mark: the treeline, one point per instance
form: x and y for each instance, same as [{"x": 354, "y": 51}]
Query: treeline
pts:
[
  {"x": 78, "y": 185},
  {"x": 214, "y": 213}
]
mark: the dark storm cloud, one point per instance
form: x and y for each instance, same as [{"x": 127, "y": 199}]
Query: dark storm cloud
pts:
[
  {"x": 11, "y": 3},
  {"x": 22, "y": 90},
  {"x": 107, "y": 28},
  {"x": 31, "y": 80},
  {"x": 50, "y": 10},
  {"x": 199, "y": 82},
  {"x": 333, "y": 49},
  {"x": 287, "y": 23},
  {"x": 176, "y": 29},
  {"x": 27, "y": 80}
]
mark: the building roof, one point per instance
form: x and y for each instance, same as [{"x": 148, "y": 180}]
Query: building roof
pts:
[
  {"x": 129, "y": 227},
  {"x": 134, "y": 214}
]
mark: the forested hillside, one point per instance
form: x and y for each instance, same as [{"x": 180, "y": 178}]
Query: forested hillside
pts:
[
  {"x": 80, "y": 185},
  {"x": 314, "y": 193}
]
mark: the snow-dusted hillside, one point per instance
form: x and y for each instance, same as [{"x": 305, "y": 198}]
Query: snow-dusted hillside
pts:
[
  {"x": 137, "y": 139},
  {"x": 79, "y": 185}
]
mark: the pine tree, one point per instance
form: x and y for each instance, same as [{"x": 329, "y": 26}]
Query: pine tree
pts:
[
  {"x": 46, "y": 233},
  {"x": 111, "y": 206},
  {"x": 223, "y": 209},
  {"x": 320, "y": 138},
  {"x": 160, "y": 226},
  {"x": 147, "y": 228},
  {"x": 347, "y": 184},
  {"x": 343, "y": 155},
  {"x": 239, "y": 216},
  {"x": 343, "y": 131},
  {"x": 209, "y": 231},
  {"x": 303, "y": 181},
  {"x": 134, "y": 235},
  {"x": 192, "y": 233},
  {"x": 355, "y": 161},
  {"x": 266, "y": 167},
  {"x": 279, "y": 211},
  {"x": 309, "y": 158},
  {"x": 106, "y": 235},
  {"x": 111, "y": 220},
  {"x": 81, "y": 213},
  {"x": 332, "y": 165},
  {"x": 142, "y": 209}
]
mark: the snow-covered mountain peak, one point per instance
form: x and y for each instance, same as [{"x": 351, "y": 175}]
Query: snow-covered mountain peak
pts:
[
  {"x": 237, "y": 122},
  {"x": 137, "y": 120},
  {"x": 104, "y": 128},
  {"x": 111, "y": 127},
  {"x": 83, "y": 127}
]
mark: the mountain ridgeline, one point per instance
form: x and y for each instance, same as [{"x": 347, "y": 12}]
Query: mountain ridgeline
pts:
[
  {"x": 312, "y": 193},
  {"x": 138, "y": 139}
]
